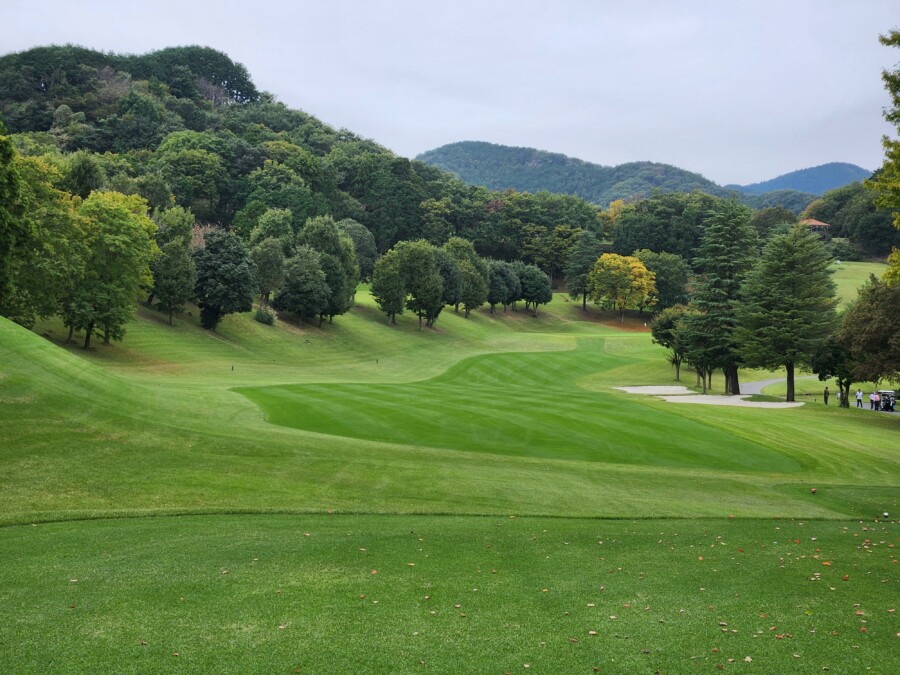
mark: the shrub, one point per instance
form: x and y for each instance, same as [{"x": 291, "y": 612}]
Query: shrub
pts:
[{"x": 265, "y": 315}]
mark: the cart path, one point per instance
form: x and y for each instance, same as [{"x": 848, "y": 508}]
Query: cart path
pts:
[{"x": 757, "y": 387}]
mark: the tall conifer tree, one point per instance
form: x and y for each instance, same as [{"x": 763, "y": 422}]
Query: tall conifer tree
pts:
[{"x": 788, "y": 307}]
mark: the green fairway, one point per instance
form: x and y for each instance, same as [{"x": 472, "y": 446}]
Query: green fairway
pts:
[
  {"x": 255, "y": 434},
  {"x": 850, "y": 276},
  {"x": 521, "y": 404}
]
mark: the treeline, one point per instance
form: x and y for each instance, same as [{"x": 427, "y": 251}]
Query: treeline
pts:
[
  {"x": 776, "y": 308},
  {"x": 425, "y": 278}
]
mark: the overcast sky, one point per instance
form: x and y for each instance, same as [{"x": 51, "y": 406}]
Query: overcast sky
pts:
[{"x": 738, "y": 91}]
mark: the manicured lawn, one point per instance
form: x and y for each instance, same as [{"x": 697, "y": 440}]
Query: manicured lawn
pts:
[
  {"x": 411, "y": 594},
  {"x": 850, "y": 276},
  {"x": 371, "y": 437}
]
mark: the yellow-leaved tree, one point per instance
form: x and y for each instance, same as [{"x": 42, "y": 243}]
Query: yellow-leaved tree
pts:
[{"x": 621, "y": 281}]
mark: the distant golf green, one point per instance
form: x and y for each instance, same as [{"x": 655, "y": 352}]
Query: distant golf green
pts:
[{"x": 327, "y": 481}]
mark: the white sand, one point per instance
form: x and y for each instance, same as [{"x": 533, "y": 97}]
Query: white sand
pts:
[
  {"x": 657, "y": 391},
  {"x": 742, "y": 401},
  {"x": 679, "y": 394}
]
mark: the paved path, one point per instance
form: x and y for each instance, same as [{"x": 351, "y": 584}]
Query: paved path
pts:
[{"x": 757, "y": 387}]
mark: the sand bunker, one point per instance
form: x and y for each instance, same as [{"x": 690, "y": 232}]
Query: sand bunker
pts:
[
  {"x": 657, "y": 391},
  {"x": 684, "y": 395},
  {"x": 710, "y": 399}
]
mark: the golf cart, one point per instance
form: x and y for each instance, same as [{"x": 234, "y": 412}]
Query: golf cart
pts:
[{"x": 888, "y": 399}]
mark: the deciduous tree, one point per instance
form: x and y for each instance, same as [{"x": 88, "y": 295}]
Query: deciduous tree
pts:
[
  {"x": 668, "y": 329},
  {"x": 536, "y": 287},
  {"x": 268, "y": 255},
  {"x": 621, "y": 281},
  {"x": 226, "y": 277},
  {"x": 174, "y": 276},
  {"x": 671, "y": 273},
  {"x": 387, "y": 286},
  {"x": 120, "y": 248},
  {"x": 870, "y": 331},
  {"x": 305, "y": 291}
]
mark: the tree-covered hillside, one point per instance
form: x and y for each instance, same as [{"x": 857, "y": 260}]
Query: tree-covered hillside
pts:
[
  {"x": 188, "y": 125},
  {"x": 501, "y": 167},
  {"x": 816, "y": 180}
]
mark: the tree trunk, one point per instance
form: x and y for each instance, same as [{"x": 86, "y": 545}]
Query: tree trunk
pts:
[
  {"x": 71, "y": 332},
  {"x": 622, "y": 314},
  {"x": 732, "y": 385},
  {"x": 709, "y": 374},
  {"x": 456, "y": 308},
  {"x": 678, "y": 370},
  {"x": 789, "y": 367},
  {"x": 845, "y": 394},
  {"x": 584, "y": 301},
  {"x": 492, "y": 311},
  {"x": 321, "y": 320},
  {"x": 87, "y": 335},
  {"x": 106, "y": 335},
  {"x": 535, "y": 309},
  {"x": 702, "y": 375},
  {"x": 698, "y": 376},
  {"x": 467, "y": 313},
  {"x": 420, "y": 323}
]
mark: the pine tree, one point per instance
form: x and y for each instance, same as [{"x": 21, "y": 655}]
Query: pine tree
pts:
[
  {"x": 579, "y": 265},
  {"x": 727, "y": 253},
  {"x": 788, "y": 306}
]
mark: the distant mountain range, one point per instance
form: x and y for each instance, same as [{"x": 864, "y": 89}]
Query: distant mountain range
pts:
[
  {"x": 816, "y": 180},
  {"x": 500, "y": 167}
]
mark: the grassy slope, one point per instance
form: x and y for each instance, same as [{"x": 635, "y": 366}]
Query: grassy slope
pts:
[
  {"x": 153, "y": 426},
  {"x": 169, "y": 435},
  {"x": 849, "y": 276}
]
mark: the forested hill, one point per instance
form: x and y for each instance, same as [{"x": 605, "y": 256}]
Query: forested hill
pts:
[
  {"x": 500, "y": 166},
  {"x": 816, "y": 180},
  {"x": 186, "y": 128}
]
